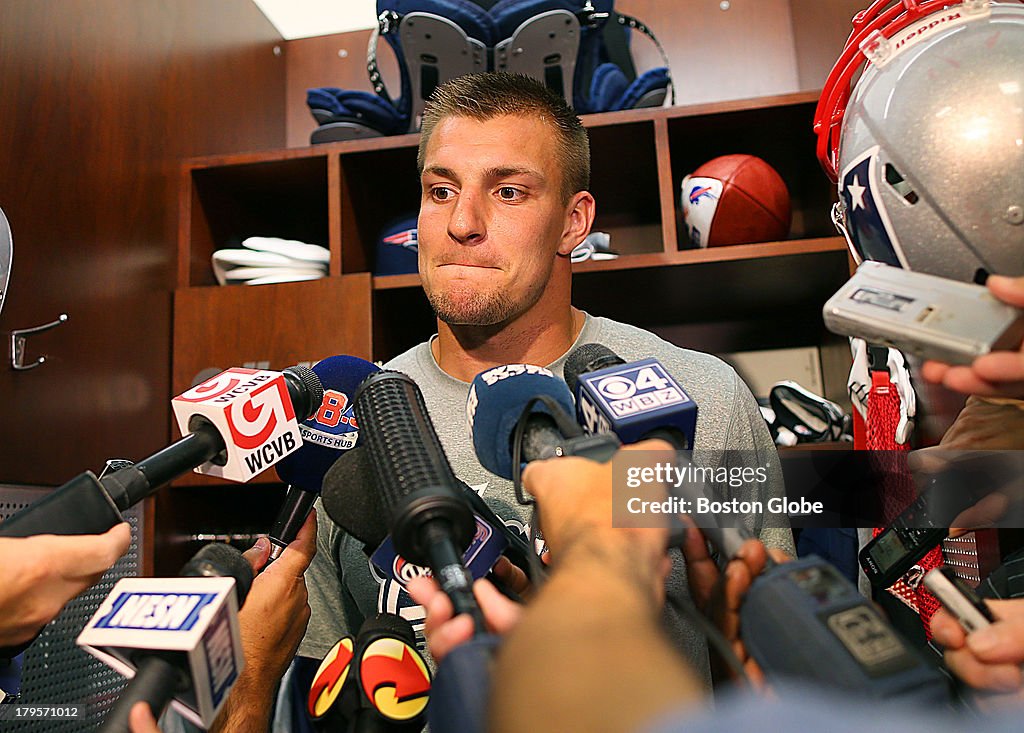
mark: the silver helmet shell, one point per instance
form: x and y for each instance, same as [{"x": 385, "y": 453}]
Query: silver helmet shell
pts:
[{"x": 931, "y": 150}]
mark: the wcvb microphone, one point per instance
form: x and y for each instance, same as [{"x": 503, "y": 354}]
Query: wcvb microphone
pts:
[
  {"x": 174, "y": 637},
  {"x": 328, "y": 434},
  {"x": 235, "y": 425}
]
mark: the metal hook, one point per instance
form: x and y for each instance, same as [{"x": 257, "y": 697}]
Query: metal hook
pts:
[{"x": 18, "y": 343}]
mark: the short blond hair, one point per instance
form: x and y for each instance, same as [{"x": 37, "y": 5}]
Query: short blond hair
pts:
[{"x": 494, "y": 94}]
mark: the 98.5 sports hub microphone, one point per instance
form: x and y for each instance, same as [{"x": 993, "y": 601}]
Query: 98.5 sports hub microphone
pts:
[
  {"x": 431, "y": 524},
  {"x": 175, "y": 637},
  {"x": 526, "y": 408},
  {"x": 635, "y": 401},
  {"x": 326, "y": 435},
  {"x": 235, "y": 425},
  {"x": 376, "y": 682}
]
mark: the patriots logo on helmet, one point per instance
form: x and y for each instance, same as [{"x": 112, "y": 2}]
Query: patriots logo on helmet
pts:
[
  {"x": 870, "y": 230},
  {"x": 701, "y": 192},
  {"x": 406, "y": 238}
]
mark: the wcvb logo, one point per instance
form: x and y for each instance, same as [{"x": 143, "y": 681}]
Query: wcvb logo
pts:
[
  {"x": 217, "y": 386},
  {"x": 252, "y": 421}
]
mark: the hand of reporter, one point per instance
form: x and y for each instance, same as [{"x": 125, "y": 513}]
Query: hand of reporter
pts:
[
  {"x": 575, "y": 498},
  {"x": 989, "y": 659},
  {"x": 997, "y": 374},
  {"x": 444, "y": 632},
  {"x": 720, "y": 595},
  {"x": 272, "y": 621},
  {"x": 141, "y": 720},
  {"x": 40, "y": 574}
]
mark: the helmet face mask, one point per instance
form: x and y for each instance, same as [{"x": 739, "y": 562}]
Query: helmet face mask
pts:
[{"x": 930, "y": 154}]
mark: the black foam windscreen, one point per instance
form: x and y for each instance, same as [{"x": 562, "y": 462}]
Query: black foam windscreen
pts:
[
  {"x": 391, "y": 625},
  {"x": 588, "y": 358},
  {"x": 416, "y": 483},
  {"x": 396, "y": 428},
  {"x": 221, "y": 560},
  {"x": 306, "y": 390},
  {"x": 351, "y": 498}
]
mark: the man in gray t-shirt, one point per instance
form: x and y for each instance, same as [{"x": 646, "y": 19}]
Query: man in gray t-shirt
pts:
[{"x": 504, "y": 168}]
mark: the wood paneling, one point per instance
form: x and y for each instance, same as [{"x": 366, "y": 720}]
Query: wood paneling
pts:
[
  {"x": 820, "y": 30},
  {"x": 714, "y": 54},
  {"x": 337, "y": 60},
  {"x": 284, "y": 324},
  {"x": 101, "y": 99}
]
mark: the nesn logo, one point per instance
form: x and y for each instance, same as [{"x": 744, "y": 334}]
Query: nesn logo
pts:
[{"x": 166, "y": 611}]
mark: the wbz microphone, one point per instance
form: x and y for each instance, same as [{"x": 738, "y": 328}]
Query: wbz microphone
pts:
[
  {"x": 174, "y": 637},
  {"x": 235, "y": 424},
  {"x": 529, "y": 406},
  {"x": 328, "y": 434},
  {"x": 635, "y": 401},
  {"x": 376, "y": 682}
]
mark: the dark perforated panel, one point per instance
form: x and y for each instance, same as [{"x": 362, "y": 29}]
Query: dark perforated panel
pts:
[{"x": 55, "y": 670}]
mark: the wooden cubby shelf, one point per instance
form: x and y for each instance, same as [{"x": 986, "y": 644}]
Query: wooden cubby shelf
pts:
[{"x": 340, "y": 195}]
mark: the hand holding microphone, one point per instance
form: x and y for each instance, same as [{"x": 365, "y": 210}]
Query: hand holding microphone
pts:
[
  {"x": 272, "y": 622},
  {"x": 991, "y": 659},
  {"x": 175, "y": 637},
  {"x": 40, "y": 574}
]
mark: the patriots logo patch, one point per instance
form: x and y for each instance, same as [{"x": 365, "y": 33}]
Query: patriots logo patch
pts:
[
  {"x": 405, "y": 239},
  {"x": 867, "y": 220}
]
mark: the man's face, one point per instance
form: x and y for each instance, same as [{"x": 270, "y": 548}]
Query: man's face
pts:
[{"x": 491, "y": 217}]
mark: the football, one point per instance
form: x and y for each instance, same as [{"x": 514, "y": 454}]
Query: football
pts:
[{"x": 735, "y": 199}]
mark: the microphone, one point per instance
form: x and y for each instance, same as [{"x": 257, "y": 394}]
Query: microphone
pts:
[
  {"x": 330, "y": 432},
  {"x": 802, "y": 617},
  {"x": 532, "y": 402},
  {"x": 635, "y": 401},
  {"x": 235, "y": 424},
  {"x": 430, "y": 522},
  {"x": 964, "y": 479},
  {"x": 175, "y": 637},
  {"x": 377, "y": 682},
  {"x": 352, "y": 501},
  {"x": 253, "y": 412}
]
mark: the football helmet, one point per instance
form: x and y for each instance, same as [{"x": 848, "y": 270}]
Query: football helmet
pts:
[{"x": 927, "y": 144}]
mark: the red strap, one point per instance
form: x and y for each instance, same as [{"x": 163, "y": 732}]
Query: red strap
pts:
[{"x": 883, "y": 415}]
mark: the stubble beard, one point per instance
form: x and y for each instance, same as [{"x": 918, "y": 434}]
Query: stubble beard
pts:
[{"x": 472, "y": 308}]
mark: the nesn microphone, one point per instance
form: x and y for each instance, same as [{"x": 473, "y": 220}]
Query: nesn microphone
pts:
[
  {"x": 175, "y": 637},
  {"x": 327, "y": 434},
  {"x": 635, "y": 401}
]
